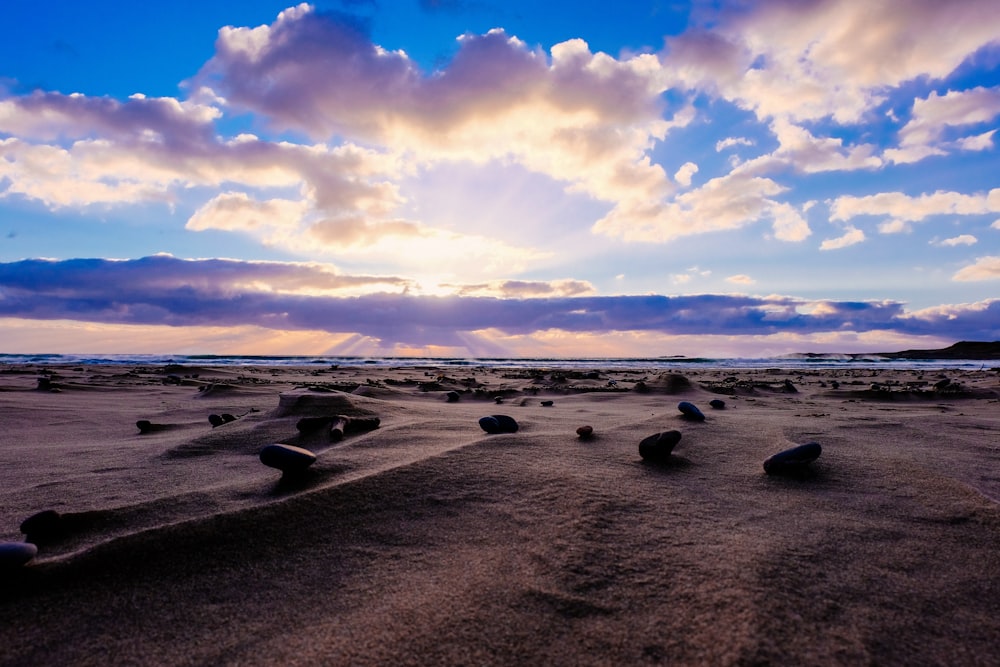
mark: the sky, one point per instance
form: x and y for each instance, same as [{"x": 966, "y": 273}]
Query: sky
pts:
[{"x": 499, "y": 179}]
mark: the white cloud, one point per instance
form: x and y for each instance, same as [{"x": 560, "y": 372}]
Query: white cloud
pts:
[
  {"x": 931, "y": 116},
  {"x": 730, "y": 142},
  {"x": 984, "y": 268},
  {"x": 963, "y": 239},
  {"x": 684, "y": 174},
  {"x": 741, "y": 279},
  {"x": 810, "y": 60},
  {"x": 850, "y": 237},
  {"x": 978, "y": 142},
  {"x": 904, "y": 208}
]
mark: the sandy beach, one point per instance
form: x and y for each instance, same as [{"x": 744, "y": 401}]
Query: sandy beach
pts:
[{"x": 428, "y": 541}]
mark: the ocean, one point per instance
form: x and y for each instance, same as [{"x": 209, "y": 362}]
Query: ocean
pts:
[{"x": 803, "y": 362}]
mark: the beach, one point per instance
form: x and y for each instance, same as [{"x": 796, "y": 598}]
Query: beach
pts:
[{"x": 429, "y": 541}]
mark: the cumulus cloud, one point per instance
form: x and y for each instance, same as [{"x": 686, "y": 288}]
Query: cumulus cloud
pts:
[
  {"x": 730, "y": 142},
  {"x": 962, "y": 239},
  {"x": 984, "y": 268},
  {"x": 826, "y": 58},
  {"x": 684, "y": 174},
  {"x": 851, "y": 236},
  {"x": 741, "y": 279},
  {"x": 903, "y": 208}
]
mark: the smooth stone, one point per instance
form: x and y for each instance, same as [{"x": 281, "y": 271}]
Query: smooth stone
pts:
[
  {"x": 42, "y": 527},
  {"x": 585, "y": 432},
  {"x": 792, "y": 460},
  {"x": 657, "y": 448},
  {"x": 717, "y": 403},
  {"x": 690, "y": 411},
  {"x": 226, "y": 417},
  {"x": 547, "y": 404},
  {"x": 16, "y": 554},
  {"x": 498, "y": 424},
  {"x": 287, "y": 458},
  {"x": 144, "y": 426},
  {"x": 216, "y": 420}
]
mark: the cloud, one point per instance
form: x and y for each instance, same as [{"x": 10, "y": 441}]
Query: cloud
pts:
[
  {"x": 852, "y": 235},
  {"x": 730, "y": 142},
  {"x": 583, "y": 118},
  {"x": 741, "y": 279},
  {"x": 936, "y": 113},
  {"x": 825, "y": 58},
  {"x": 167, "y": 291},
  {"x": 903, "y": 208},
  {"x": 984, "y": 268},
  {"x": 684, "y": 174},
  {"x": 962, "y": 239},
  {"x": 524, "y": 288}
]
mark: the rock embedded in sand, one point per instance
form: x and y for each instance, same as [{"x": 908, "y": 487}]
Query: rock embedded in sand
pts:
[
  {"x": 216, "y": 420},
  {"x": 498, "y": 424},
  {"x": 16, "y": 554},
  {"x": 657, "y": 448},
  {"x": 717, "y": 403},
  {"x": 287, "y": 458},
  {"x": 452, "y": 396},
  {"x": 585, "y": 432},
  {"x": 547, "y": 404},
  {"x": 690, "y": 411},
  {"x": 43, "y": 527},
  {"x": 792, "y": 460}
]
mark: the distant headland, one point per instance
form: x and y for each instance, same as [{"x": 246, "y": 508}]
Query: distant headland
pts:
[{"x": 961, "y": 350}]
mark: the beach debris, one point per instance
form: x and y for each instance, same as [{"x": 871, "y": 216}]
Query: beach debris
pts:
[
  {"x": 498, "y": 399},
  {"x": 547, "y": 404},
  {"x": 452, "y": 396},
  {"x": 43, "y": 527},
  {"x": 16, "y": 554},
  {"x": 717, "y": 404},
  {"x": 498, "y": 424},
  {"x": 287, "y": 458},
  {"x": 690, "y": 412},
  {"x": 657, "y": 447},
  {"x": 792, "y": 460},
  {"x": 585, "y": 432}
]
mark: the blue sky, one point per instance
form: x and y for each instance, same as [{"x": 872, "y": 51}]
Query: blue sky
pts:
[{"x": 507, "y": 179}]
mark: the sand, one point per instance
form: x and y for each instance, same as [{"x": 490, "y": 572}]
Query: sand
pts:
[{"x": 430, "y": 542}]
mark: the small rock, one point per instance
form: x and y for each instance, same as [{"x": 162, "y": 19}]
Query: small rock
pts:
[
  {"x": 287, "y": 458},
  {"x": 585, "y": 432},
  {"x": 43, "y": 527},
  {"x": 498, "y": 424},
  {"x": 789, "y": 388},
  {"x": 226, "y": 417},
  {"x": 547, "y": 404},
  {"x": 498, "y": 400},
  {"x": 216, "y": 420},
  {"x": 16, "y": 554},
  {"x": 717, "y": 404},
  {"x": 690, "y": 411},
  {"x": 942, "y": 384},
  {"x": 452, "y": 396},
  {"x": 792, "y": 460},
  {"x": 145, "y": 426},
  {"x": 657, "y": 448}
]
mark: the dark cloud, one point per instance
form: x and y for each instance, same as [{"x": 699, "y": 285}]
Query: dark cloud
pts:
[{"x": 170, "y": 291}]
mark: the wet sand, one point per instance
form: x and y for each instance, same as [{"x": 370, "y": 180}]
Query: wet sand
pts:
[{"x": 428, "y": 541}]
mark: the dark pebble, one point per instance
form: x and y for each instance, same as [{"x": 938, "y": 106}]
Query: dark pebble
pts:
[
  {"x": 453, "y": 396},
  {"x": 657, "y": 448},
  {"x": 226, "y": 417},
  {"x": 216, "y": 420},
  {"x": 287, "y": 458},
  {"x": 792, "y": 460},
  {"x": 16, "y": 554},
  {"x": 43, "y": 527},
  {"x": 547, "y": 404},
  {"x": 498, "y": 424},
  {"x": 690, "y": 411},
  {"x": 717, "y": 403},
  {"x": 585, "y": 432}
]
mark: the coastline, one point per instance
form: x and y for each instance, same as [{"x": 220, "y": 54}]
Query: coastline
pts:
[{"x": 430, "y": 541}]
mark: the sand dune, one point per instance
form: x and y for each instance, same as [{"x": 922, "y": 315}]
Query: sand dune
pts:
[{"x": 429, "y": 541}]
